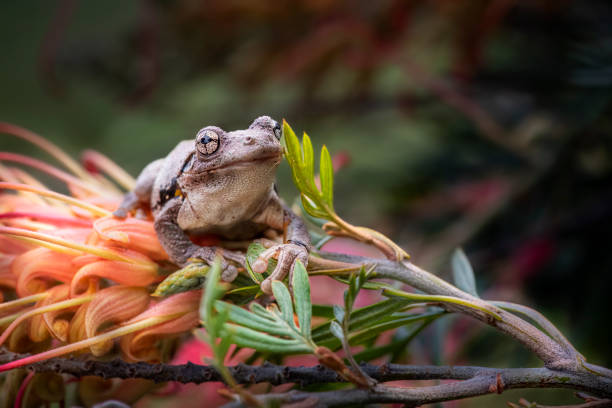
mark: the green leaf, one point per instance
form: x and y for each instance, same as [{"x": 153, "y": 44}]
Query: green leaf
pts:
[
  {"x": 323, "y": 311},
  {"x": 463, "y": 274},
  {"x": 317, "y": 221},
  {"x": 350, "y": 293},
  {"x": 362, "y": 318},
  {"x": 301, "y": 295},
  {"x": 336, "y": 330},
  {"x": 283, "y": 298},
  {"x": 339, "y": 313},
  {"x": 245, "y": 337},
  {"x": 293, "y": 154},
  {"x": 373, "y": 331},
  {"x": 253, "y": 252},
  {"x": 327, "y": 177},
  {"x": 417, "y": 297},
  {"x": 211, "y": 291},
  {"x": 308, "y": 157},
  {"x": 190, "y": 277},
  {"x": 261, "y": 311},
  {"x": 251, "y": 320},
  {"x": 311, "y": 208},
  {"x": 396, "y": 347}
]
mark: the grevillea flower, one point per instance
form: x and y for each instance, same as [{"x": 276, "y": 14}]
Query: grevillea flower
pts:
[{"x": 73, "y": 279}]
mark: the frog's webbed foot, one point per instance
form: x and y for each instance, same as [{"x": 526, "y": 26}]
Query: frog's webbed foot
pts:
[
  {"x": 286, "y": 254},
  {"x": 209, "y": 254}
]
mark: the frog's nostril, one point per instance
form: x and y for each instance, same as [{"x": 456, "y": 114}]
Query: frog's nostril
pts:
[{"x": 248, "y": 140}]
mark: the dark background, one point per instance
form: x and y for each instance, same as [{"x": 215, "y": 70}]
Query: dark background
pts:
[{"x": 481, "y": 124}]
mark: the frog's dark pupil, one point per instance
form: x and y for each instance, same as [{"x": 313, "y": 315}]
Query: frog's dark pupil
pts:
[{"x": 205, "y": 139}]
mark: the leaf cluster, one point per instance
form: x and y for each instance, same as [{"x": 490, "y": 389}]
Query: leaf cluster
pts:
[
  {"x": 318, "y": 202},
  {"x": 273, "y": 328}
]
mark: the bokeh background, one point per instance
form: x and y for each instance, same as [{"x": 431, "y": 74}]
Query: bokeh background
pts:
[{"x": 480, "y": 124}]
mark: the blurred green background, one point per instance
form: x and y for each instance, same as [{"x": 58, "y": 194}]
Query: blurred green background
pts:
[{"x": 481, "y": 124}]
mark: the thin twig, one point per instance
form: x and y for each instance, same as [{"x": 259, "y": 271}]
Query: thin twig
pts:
[
  {"x": 554, "y": 355},
  {"x": 498, "y": 378},
  {"x": 481, "y": 384}
]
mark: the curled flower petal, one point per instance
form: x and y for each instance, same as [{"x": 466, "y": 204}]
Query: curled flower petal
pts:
[
  {"x": 58, "y": 250},
  {"x": 135, "y": 234},
  {"x": 42, "y": 325},
  {"x": 39, "y": 268},
  {"x": 62, "y": 305},
  {"x": 124, "y": 273},
  {"x": 115, "y": 304},
  {"x": 140, "y": 345},
  {"x": 19, "y": 340},
  {"x": 7, "y": 278}
]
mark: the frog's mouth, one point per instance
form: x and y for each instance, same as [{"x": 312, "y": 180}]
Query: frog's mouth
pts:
[{"x": 248, "y": 162}]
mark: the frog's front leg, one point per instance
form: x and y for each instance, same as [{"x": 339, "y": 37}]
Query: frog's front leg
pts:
[
  {"x": 296, "y": 247},
  {"x": 141, "y": 195},
  {"x": 179, "y": 247}
]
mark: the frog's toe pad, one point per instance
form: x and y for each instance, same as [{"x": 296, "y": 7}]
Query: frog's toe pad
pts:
[
  {"x": 229, "y": 273},
  {"x": 286, "y": 254}
]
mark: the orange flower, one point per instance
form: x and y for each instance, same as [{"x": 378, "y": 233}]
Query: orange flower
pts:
[
  {"x": 184, "y": 309},
  {"x": 75, "y": 273}
]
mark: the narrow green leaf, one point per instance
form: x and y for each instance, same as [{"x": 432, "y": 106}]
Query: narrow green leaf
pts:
[
  {"x": 261, "y": 311},
  {"x": 362, "y": 318},
  {"x": 417, "y": 297},
  {"x": 363, "y": 276},
  {"x": 211, "y": 291},
  {"x": 251, "y": 320},
  {"x": 224, "y": 345},
  {"x": 339, "y": 313},
  {"x": 463, "y": 274},
  {"x": 291, "y": 144},
  {"x": 244, "y": 291},
  {"x": 350, "y": 293},
  {"x": 190, "y": 277},
  {"x": 318, "y": 221},
  {"x": 336, "y": 330},
  {"x": 308, "y": 158},
  {"x": 311, "y": 208},
  {"x": 397, "y": 347},
  {"x": 301, "y": 295},
  {"x": 245, "y": 337},
  {"x": 255, "y": 277},
  {"x": 293, "y": 154},
  {"x": 253, "y": 252},
  {"x": 215, "y": 325},
  {"x": 283, "y": 299},
  {"x": 323, "y": 311},
  {"x": 374, "y": 331},
  {"x": 327, "y": 177}
]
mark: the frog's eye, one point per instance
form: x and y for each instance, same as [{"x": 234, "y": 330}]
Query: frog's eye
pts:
[
  {"x": 277, "y": 130},
  {"x": 207, "y": 142}
]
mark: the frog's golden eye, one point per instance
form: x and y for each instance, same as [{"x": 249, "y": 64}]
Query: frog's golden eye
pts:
[{"x": 207, "y": 142}]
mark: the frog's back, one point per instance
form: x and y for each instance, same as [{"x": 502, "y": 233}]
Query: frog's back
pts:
[{"x": 166, "y": 186}]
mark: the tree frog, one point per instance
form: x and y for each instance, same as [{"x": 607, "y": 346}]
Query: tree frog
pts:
[{"x": 222, "y": 184}]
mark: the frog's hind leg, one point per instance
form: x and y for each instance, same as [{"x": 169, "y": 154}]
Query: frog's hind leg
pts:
[{"x": 141, "y": 195}]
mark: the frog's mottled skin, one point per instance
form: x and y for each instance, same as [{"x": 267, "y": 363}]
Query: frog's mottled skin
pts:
[{"x": 222, "y": 184}]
